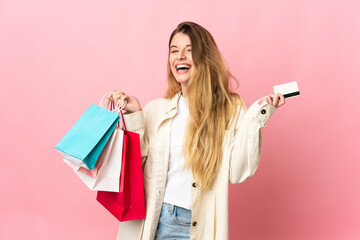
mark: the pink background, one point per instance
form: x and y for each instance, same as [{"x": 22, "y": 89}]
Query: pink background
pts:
[{"x": 58, "y": 57}]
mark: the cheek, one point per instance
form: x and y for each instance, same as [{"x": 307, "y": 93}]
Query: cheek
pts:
[
  {"x": 172, "y": 68},
  {"x": 170, "y": 62}
]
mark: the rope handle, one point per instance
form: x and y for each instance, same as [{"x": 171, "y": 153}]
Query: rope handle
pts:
[{"x": 107, "y": 104}]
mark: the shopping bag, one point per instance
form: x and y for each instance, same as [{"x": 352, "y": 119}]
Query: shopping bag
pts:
[
  {"x": 106, "y": 173},
  {"x": 128, "y": 203},
  {"x": 84, "y": 142}
]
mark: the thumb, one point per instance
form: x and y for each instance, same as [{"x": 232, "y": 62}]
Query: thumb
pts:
[{"x": 260, "y": 101}]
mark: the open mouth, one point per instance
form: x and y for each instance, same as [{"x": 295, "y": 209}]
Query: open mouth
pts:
[{"x": 182, "y": 67}]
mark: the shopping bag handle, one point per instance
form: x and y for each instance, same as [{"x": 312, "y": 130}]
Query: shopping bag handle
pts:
[
  {"x": 118, "y": 109},
  {"x": 107, "y": 104}
]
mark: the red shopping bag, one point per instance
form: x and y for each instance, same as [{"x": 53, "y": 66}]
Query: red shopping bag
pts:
[{"x": 129, "y": 202}]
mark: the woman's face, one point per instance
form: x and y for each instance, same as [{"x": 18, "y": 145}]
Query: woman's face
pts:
[{"x": 180, "y": 59}]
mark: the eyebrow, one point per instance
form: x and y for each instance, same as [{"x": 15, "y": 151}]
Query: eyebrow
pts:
[{"x": 189, "y": 45}]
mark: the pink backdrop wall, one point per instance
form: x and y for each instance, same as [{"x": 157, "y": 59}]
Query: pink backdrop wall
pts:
[{"x": 57, "y": 57}]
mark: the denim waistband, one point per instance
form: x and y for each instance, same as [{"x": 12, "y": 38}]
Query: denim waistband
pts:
[{"x": 173, "y": 207}]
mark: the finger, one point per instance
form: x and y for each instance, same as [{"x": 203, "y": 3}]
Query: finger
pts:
[
  {"x": 118, "y": 95},
  {"x": 261, "y": 100},
  {"x": 282, "y": 99},
  {"x": 110, "y": 96},
  {"x": 115, "y": 95},
  {"x": 122, "y": 101},
  {"x": 275, "y": 99},
  {"x": 124, "y": 97},
  {"x": 268, "y": 100}
]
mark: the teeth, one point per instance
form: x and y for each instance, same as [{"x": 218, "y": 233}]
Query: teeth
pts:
[{"x": 182, "y": 66}]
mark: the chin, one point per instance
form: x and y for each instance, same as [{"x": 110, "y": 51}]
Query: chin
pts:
[{"x": 182, "y": 81}]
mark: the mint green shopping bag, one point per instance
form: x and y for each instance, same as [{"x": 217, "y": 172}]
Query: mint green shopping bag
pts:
[{"x": 84, "y": 142}]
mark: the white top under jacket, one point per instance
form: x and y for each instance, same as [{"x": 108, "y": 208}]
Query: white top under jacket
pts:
[{"x": 178, "y": 184}]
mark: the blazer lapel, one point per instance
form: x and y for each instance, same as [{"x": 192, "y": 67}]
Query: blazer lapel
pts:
[{"x": 171, "y": 110}]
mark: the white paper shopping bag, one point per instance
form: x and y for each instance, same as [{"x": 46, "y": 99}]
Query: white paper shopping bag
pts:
[{"x": 105, "y": 176}]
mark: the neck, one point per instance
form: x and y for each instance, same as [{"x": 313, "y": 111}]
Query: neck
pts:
[{"x": 184, "y": 89}]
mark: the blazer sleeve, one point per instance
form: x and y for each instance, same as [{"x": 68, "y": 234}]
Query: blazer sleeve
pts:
[{"x": 246, "y": 145}]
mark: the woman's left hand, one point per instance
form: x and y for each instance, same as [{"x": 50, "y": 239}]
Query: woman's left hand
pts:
[{"x": 276, "y": 100}]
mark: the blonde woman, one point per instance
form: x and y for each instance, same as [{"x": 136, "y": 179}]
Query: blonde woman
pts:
[{"x": 194, "y": 141}]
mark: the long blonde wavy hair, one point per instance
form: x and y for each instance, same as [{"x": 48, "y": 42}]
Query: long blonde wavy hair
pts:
[{"x": 211, "y": 104}]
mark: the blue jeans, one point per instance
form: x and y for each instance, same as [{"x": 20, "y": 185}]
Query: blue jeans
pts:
[{"x": 174, "y": 223}]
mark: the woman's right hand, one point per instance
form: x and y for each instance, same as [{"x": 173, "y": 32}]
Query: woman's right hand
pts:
[{"x": 133, "y": 104}]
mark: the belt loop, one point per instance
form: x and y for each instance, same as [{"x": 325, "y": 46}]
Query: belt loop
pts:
[{"x": 172, "y": 209}]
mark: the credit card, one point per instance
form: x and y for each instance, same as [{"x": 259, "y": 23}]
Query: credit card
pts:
[{"x": 289, "y": 90}]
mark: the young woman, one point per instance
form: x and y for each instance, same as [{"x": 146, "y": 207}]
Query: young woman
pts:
[{"x": 194, "y": 142}]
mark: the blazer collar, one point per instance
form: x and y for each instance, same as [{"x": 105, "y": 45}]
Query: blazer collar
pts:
[
  {"x": 173, "y": 103},
  {"x": 170, "y": 109}
]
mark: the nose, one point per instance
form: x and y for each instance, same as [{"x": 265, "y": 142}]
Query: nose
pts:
[{"x": 181, "y": 55}]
